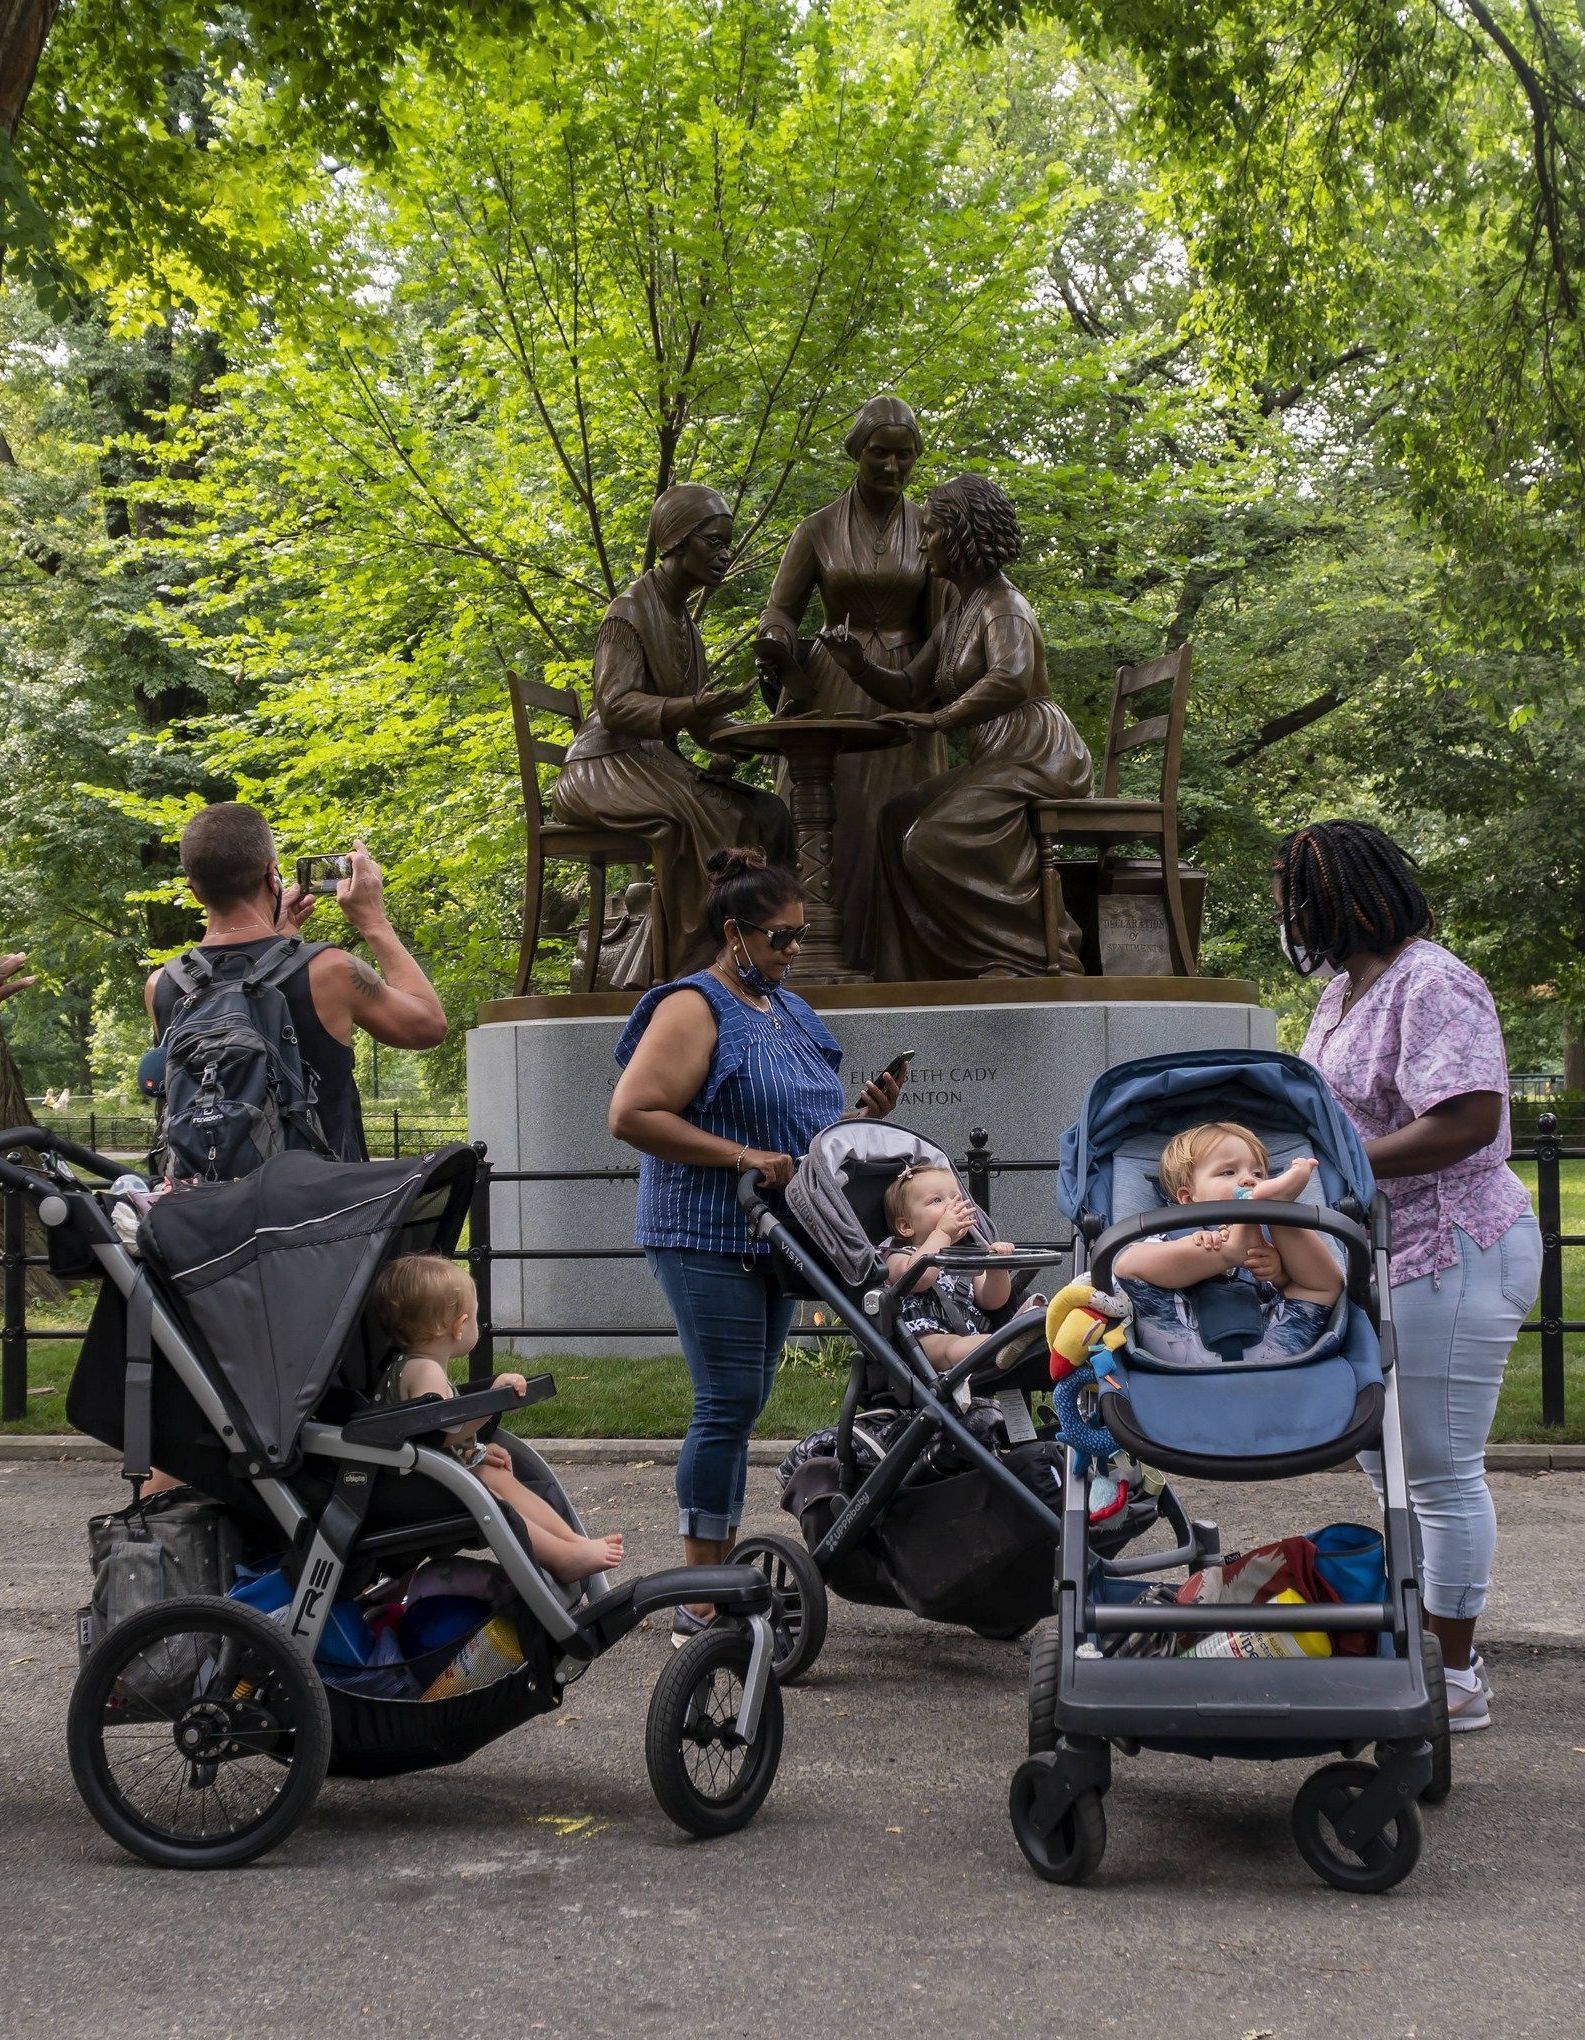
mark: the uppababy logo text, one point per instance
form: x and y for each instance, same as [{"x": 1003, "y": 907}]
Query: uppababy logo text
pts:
[{"x": 318, "y": 1582}]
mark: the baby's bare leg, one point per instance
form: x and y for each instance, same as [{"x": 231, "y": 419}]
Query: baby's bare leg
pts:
[
  {"x": 945, "y": 1349},
  {"x": 1310, "y": 1273},
  {"x": 560, "y": 1550}
]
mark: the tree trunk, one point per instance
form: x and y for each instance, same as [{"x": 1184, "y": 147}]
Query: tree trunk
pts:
[
  {"x": 1573, "y": 1056},
  {"x": 24, "y": 26},
  {"x": 14, "y": 1112}
]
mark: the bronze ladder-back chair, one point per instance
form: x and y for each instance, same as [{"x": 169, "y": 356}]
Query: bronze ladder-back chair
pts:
[
  {"x": 548, "y": 841},
  {"x": 1109, "y": 821}
]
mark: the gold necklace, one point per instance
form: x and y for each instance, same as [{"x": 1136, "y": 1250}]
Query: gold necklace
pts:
[{"x": 769, "y": 1008}]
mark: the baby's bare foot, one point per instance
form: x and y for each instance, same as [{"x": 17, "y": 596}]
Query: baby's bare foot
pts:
[
  {"x": 1289, "y": 1186},
  {"x": 584, "y": 1555}
]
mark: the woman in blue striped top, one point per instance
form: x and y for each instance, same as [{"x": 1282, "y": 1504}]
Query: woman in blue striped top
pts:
[{"x": 723, "y": 1072}]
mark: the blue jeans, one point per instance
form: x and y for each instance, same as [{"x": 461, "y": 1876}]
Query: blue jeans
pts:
[
  {"x": 1455, "y": 1331},
  {"x": 732, "y": 1319}
]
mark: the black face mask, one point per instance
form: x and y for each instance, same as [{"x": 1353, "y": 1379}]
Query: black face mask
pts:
[{"x": 280, "y": 901}]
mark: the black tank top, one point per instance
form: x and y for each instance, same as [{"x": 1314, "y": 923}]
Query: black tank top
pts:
[{"x": 331, "y": 1061}]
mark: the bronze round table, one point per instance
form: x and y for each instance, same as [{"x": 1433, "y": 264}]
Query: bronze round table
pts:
[{"x": 811, "y": 745}]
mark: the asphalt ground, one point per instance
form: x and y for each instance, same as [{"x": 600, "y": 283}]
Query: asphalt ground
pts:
[{"x": 538, "y": 1888}]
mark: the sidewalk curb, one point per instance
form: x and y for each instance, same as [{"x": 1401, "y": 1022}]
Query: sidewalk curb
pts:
[{"x": 35, "y": 1446}]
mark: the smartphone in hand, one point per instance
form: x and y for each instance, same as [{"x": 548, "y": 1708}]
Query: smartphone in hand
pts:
[{"x": 897, "y": 1068}]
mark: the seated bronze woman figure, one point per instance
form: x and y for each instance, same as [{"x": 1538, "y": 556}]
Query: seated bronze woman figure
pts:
[
  {"x": 960, "y": 876},
  {"x": 624, "y": 771}
]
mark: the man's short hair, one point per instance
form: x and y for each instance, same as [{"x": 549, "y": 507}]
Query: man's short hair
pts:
[{"x": 225, "y": 851}]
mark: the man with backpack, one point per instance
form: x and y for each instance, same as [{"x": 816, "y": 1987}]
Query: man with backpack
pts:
[{"x": 257, "y": 1025}]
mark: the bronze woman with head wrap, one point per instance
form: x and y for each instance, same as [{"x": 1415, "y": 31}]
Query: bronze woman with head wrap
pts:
[
  {"x": 959, "y": 872},
  {"x": 861, "y": 553},
  {"x": 624, "y": 770}
]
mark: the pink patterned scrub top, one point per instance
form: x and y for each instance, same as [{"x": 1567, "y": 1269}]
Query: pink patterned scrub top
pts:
[{"x": 1425, "y": 1031}]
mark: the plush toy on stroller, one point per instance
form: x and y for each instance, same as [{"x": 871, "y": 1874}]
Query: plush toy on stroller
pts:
[
  {"x": 237, "y": 1350},
  {"x": 1218, "y": 1402}
]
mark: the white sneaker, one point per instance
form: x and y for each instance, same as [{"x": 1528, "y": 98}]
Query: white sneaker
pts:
[{"x": 1467, "y": 1708}]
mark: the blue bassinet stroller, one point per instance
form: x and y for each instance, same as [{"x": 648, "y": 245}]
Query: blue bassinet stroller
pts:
[{"x": 1233, "y": 1419}]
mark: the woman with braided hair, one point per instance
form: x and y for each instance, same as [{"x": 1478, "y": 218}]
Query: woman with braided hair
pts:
[
  {"x": 959, "y": 872},
  {"x": 1408, "y": 1038}
]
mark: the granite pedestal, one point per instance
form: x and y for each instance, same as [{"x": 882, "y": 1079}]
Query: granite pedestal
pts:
[{"x": 1012, "y": 1056}]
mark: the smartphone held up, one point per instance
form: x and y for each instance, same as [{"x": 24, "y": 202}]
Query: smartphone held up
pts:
[{"x": 322, "y": 874}]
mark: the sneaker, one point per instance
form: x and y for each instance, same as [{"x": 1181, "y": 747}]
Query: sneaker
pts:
[
  {"x": 686, "y": 1625},
  {"x": 1477, "y": 1665},
  {"x": 1467, "y": 1708}
]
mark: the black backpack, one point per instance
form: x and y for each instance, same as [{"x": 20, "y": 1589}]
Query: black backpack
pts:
[{"x": 236, "y": 1088}]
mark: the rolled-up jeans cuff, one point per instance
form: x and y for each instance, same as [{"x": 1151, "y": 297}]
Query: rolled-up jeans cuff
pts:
[{"x": 708, "y": 1529}]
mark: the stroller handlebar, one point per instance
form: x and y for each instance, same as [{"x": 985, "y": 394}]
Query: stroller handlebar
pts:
[
  {"x": 1353, "y": 1237},
  {"x": 42, "y": 1141}
]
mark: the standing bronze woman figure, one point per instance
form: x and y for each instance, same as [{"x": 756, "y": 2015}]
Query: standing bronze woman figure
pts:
[
  {"x": 959, "y": 872},
  {"x": 862, "y": 553},
  {"x": 623, "y": 769}
]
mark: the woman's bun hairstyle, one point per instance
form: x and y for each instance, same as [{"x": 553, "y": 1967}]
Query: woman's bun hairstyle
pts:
[
  {"x": 722, "y": 866},
  {"x": 746, "y": 886}
]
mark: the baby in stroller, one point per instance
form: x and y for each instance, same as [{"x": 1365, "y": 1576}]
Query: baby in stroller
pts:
[
  {"x": 947, "y": 1311},
  {"x": 429, "y": 1308},
  {"x": 1257, "y": 1294}
]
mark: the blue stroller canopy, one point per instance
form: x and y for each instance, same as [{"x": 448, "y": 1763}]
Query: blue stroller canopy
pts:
[{"x": 1161, "y": 1094}]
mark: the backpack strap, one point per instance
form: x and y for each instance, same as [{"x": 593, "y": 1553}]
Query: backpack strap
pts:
[
  {"x": 281, "y": 961},
  {"x": 190, "y": 973},
  {"x": 137, "y": 1430}
]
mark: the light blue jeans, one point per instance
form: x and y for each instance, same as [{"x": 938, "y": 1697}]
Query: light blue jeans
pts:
[{"x": 1455, "y": 1332}]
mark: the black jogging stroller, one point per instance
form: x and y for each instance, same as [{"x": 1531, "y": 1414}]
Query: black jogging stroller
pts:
[
  {"x": 236, "y": 1350},
  {"x": 1227, "y": 1418},
  {"x": 910, "y": 1500}
]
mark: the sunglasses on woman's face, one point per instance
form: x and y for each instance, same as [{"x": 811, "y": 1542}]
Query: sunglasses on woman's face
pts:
[{"x": 778, "y": 938}]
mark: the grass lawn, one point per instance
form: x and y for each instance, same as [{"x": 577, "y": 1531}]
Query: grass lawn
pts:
[{"x": 650, "y": 1398}]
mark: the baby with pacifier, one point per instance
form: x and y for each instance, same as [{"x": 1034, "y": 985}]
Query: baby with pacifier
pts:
[{"x": 1294, "y": 1278}]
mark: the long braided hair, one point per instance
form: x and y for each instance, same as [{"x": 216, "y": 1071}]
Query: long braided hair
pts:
[
  {"x": 1346, "y": 887},
  {"x": 980, "y": 523}
]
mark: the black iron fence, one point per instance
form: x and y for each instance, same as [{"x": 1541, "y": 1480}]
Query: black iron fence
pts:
[
  {"x": 979, "y": 1168},
  {"x": 390, "y": 1130}
]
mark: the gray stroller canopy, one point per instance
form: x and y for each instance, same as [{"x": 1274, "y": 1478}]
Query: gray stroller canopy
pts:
[
  {"x": 272, "y": 1273},
  {"x": 836, "y": 1196}
]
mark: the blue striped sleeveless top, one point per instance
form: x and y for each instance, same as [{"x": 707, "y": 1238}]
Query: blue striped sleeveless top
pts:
[{"x": 772, "y": 1084}]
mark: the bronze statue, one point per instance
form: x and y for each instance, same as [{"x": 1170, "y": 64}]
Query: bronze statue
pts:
[
  {"x": 623, "y": 769},
  {"x": 960, "y": 877},
  {"x": 863, "y": 554}
]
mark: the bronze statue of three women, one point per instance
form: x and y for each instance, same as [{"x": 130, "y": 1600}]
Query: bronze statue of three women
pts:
[{"x": 934, "y": 865}]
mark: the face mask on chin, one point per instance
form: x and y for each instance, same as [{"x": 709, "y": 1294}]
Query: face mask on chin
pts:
[
  {"x": 1303, "y": 962},
  {"x": 751, "y": 975}
]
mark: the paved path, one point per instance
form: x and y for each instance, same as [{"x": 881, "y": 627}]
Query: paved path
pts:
[{"x": 538, "y": 1888}]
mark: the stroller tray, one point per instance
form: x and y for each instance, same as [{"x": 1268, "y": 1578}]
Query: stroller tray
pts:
[{"x": 375, "y": 1737}]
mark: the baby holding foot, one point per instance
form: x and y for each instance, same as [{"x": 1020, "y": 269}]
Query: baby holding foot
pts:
[
  {"x": 429, "y": 1307},
  {"x": 1295, "y": 1276}
]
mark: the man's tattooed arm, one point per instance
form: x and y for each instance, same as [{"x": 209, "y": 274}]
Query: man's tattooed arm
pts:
[{"x": 368, "y": 984}]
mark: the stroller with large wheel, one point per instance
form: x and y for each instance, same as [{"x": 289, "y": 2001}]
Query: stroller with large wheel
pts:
[
  {"x": 912, "y": 1500},
  {"x": 1228, "y": 1418},
  {"x": 236, "y": 1349}
]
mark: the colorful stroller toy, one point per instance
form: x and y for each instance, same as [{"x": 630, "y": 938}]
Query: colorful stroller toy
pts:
[
  {"x": 236, "y": 1350},
  {"x": 1230, "y": 1419}
]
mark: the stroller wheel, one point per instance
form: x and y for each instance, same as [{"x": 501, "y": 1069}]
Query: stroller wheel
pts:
[
  {"x": 1376, "y": 1864},
  {"x": 1067, "y": 1850},
  {"x": 1045, "y": 1654},
  {"x": 1440, "y": 1734},
  {"x": 799, "y": 1607},
  {"x": 198, "y": 1736},
  {"x": 707, "y": 1779}
]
